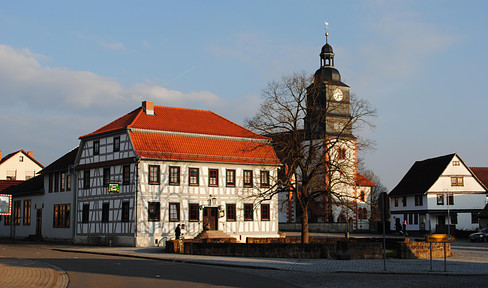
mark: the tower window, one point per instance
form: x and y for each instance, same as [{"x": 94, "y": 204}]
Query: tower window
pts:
[{"x": 341, "y": 154}]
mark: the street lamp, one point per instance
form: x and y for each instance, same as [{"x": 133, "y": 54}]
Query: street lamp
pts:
[{"x": 448, "y": 214}]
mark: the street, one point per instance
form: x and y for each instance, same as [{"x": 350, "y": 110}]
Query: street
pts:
[
  {"x": 95, "y": 270},
  {"x": 88, "y": 270}
]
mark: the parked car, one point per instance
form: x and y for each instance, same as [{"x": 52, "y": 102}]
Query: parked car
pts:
[{"x": 481, "y": 236}]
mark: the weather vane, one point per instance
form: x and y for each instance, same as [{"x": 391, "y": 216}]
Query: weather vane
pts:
[{"x": 326, "y": 31}]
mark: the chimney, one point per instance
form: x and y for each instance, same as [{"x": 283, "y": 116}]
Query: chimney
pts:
[
  {"x": 148, "y": 107},
  {"x": 31, "y": 154},
  {"x": 0, "y": 155}
]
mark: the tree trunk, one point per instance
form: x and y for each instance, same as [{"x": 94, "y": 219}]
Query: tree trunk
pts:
[{"x": 305, "y": 224}]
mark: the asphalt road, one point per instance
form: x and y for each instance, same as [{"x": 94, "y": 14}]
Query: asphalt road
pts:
[{"x": 88, "y": 270}]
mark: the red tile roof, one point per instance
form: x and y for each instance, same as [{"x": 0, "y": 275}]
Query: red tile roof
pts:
[
  {"x": 4, "y": 184},
  {"x": 363, "y": 181},
  {"x": 177, "y": 147},
  {"x": 481, "y": 173},
  {"x": 192, "y": 135}
]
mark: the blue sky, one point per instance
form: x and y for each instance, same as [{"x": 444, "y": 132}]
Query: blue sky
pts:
[{"x": 70, "y": 67}]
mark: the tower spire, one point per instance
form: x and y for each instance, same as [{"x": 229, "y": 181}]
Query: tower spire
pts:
[{"x": 326, "y": 32}]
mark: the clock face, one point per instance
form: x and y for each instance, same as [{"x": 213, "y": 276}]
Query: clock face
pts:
[{"x": 338, "y": 94}]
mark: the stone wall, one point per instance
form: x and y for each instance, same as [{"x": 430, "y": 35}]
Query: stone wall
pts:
[
  {"x": 421, "y": 250},
  {"x": 333, "y": 250},
  {"x": 317, "y": 227}
]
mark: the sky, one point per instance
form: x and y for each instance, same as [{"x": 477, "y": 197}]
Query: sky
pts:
[{"x": 69, "y": 67}]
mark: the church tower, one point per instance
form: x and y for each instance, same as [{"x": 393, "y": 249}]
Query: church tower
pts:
[
  {"x": 328, "y": 100},
  {"x": 329, "y": 121}
]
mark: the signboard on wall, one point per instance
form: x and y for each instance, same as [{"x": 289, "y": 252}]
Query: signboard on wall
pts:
[
  {"x": 5, "y": 204},
  {"x": 113, "y": 188}
]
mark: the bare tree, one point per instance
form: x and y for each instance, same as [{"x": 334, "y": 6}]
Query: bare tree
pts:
[{"x": 310, "y": 143}]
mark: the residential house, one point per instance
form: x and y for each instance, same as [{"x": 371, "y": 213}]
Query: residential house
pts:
[
  {"x": 42, "y": 205},
  {"x": 19, "y": 165},
  {"x": 156, "y": 167},
  {"x": 482, "y": 174},
  {"x": 436, "y": 192}
]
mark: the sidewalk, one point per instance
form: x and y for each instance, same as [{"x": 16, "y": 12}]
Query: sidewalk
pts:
[
  {"x": 455, "y": 265},
  {"x": 26, "y": 273}
]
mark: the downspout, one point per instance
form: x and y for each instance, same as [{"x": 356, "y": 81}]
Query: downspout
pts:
[
  {"x": 74, "y": 189},
  {"x": 136, "y": 186}
]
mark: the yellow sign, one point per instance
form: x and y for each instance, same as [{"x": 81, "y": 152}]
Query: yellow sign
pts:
[{"x": 440, "y": 238}]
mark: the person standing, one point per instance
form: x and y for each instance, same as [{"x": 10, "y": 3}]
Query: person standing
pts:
[{"x": 178, "y": 232}]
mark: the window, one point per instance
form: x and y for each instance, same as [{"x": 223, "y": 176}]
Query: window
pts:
[
  {"x": 264, "y": 212},
  {"x": 455, "y": 163},
  {"x": 415, "y": 219},
  {"x": 396, "y": 201},
  {"x": 194, "y": 213},
  {"x": 230, "y": 211},
  {"x": 248, "y": 178},
  {"x": 440, "y": 199},
  {"x": 96, "y": 147},
  {"x": 29, "y": 174},
  {"x": 230, "y": 178},
  {"x": 21, "y": 158},
  {"x": 362, "y": 213},
  {"x": 174, "y": 175},
  {"x": 61, "y": 216},
  {"x": 50, "y": 183},
  {"x": 17, "y": 212},
  {"x": 474, "y": 217},
  {"x": 410, "y": 218},
  {"x": 27, "y": 212},
  {"x": 153, "y": 211},
  {"x": 454, "y": 219},
  {"x": 193, "y": 177},
  {"x": 174, "y": 212},
  {"x": 450, "y": 199},
  {"x": 248, "y": 212},
  {"x": 117, "y": 144},
  {"x": 361, "y": 196},
  {"x": 341, "y": 153},
  {"x": 105, "y": 210},
  {"x": 7, "y": 220},
  {"x": 62, "y": 186},
  {"x": 126, "y": 175},
  {"x": 213, "y": 177},
  {"x": 85, "y": 214},
  {"x": 11, "y": 174},
  {"x": 86, "y": 179},
  {"x": 404, "y": 201},
  {"x": 419, "y": 200},
  {"x": 68, "y": 182},
  {"x": 457, "y": 181},
  {"x": 264, "y": 179},
  {"x": 56, "y": 182},
  {"x": 125, "y": 211},
  {"x": 106, "y": 176},
  {"x": 154, "y": 174}
]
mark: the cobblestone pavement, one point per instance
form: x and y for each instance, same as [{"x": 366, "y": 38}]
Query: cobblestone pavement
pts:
[{"x": 26, "y": 273}]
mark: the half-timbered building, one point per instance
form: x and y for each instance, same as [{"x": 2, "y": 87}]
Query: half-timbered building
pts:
[{"x": 156, "y": 167}]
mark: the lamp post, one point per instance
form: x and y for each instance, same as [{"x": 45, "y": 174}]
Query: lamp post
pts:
[{"x": 448, "y": 214}]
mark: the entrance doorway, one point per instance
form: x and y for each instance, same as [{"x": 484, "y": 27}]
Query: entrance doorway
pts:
[
  {"x": 39, "y": 223},
  {"x": 210, "y": 218}
]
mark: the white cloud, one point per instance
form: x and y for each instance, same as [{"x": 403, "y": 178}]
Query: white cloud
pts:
[
  {"x": 25, "y": 81},
  {"x": 112, "y": 45}
]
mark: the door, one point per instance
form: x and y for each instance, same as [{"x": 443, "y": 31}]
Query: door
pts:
[
  {"x": 210, "y": 218},
  {"x": 39, "y": 223}
]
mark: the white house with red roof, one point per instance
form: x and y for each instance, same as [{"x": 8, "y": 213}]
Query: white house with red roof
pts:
[
  {"x": 19, "y": 165},
  {"x": 156, "y": 167}
]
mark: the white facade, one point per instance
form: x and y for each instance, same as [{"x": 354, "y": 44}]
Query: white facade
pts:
[
  {"x": 19, "y": 166},
  {"x": 429, "y": 211}
]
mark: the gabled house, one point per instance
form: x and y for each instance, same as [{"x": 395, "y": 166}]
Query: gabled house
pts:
[
  {"x": 19, "y": 165},
  {"x": 435, "y": 189},
  {"x": 41, "y": 205},
  {"x": 156, "y": 167},
  {"x": 482, "y": 174}
]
